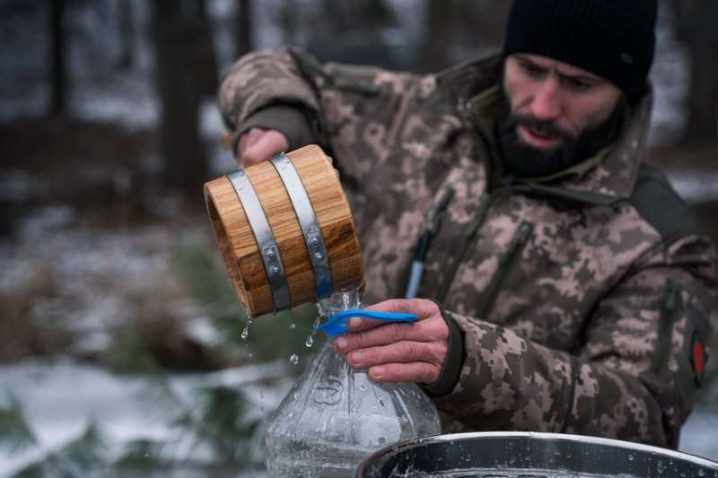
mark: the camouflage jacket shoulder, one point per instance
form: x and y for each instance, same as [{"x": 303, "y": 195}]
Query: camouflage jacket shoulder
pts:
[{"x": 581, "y": 302}]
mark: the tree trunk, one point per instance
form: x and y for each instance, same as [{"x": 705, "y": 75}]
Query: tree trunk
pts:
[
  {"x": 695, "y": 22},
  {"x": 703, "y": 103},
  {"x": 442, "y": 18},
  {"x": 289, "y": 19},
  {"x": 127, "y": 57},
  {"x": 358, "y": 15},
  {"x": 58, "y": 72},
  {"x": 244, "y": 32},
  {"x": 185, "y": 73}
]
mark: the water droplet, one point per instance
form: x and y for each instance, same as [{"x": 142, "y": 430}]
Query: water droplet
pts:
[
  {"x": 701, "y": 472},
  {"x": 318, "y": 256},
  {"x": 245, "y": 332},
  {"x": 292, "y": 326},
  {"x": 316, "y": 323},
  {"x": 630, "y": 457},
  {"x": 294, "y": 359},
  {"x": 309, "y": 342},
  {"x": 381, "y": 440}
]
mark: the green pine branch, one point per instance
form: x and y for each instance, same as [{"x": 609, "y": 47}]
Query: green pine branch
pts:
[
  {"x": 141, "y": 455},
  {"x": 74, "y": 459},
  {"x": 15, "y": 432},
  {"x": 88, "y": 450}
]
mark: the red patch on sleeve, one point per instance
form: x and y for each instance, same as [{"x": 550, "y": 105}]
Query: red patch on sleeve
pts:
[{"x": 698, "y": 360}]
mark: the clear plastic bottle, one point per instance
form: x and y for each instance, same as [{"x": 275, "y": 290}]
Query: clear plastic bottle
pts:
[{"x": 334, "y": 416}]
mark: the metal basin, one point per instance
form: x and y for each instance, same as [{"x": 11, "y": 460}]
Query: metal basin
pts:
[{"x": 526, "y": 454}]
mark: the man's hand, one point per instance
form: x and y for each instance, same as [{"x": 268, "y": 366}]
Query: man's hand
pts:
[
  {"x": 259, "y": 145},
  {"x": 398, "y": 352}
]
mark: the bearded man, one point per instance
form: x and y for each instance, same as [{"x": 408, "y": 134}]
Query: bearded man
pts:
[{"x": 560, "y": 282}]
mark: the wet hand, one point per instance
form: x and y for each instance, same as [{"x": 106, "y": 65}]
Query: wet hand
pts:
[
  {"x": 257, "y": 145},
  {"x": 398, "y": 352}
]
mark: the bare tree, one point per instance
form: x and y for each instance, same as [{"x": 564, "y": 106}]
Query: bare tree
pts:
[
  {"x": 186, "y": 72},
  {"x": 358, "y": 15},
  {"x": 58, "y": 70},
  {"x": 442, "y": 22},
  {"x": 695, "y": 21},
  {"x": 481, "y": 25},
  {"x": 244, "y": 31},
  {"x": 289, "y": 18},
  {"x": 127, "y": 35}
]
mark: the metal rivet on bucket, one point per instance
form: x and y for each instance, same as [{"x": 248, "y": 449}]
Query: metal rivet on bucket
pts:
[
  {"x": 264, "y": 237},
  {"x": 308, "y": 222}
]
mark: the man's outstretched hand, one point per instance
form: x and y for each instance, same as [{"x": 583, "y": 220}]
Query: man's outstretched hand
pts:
[
  {"x": 398, "y": 352},
  {"x": 257, "y": 145}
]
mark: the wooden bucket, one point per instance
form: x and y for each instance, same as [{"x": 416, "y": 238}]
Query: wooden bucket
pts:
[{"x": 286, "y": 232}]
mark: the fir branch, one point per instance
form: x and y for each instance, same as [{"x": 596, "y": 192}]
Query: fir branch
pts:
[
  {"x": 141, "y": 455},
  {"x": 87, "y": 451},
  {"x": 73, "y": 460},
  {"x": 221, "y": 409},
  {"x": 193, "y": 263},
  {"x": 15, "y": 432},
  {"x": 38, "y": 469}
]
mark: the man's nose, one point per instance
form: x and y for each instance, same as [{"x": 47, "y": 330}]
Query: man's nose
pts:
[{"x": 546, "y": 103}]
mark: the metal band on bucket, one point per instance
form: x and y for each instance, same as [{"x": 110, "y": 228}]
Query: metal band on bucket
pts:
[
  {"x": 308, "y": 222},
  {"x": 265, "y": 238}
]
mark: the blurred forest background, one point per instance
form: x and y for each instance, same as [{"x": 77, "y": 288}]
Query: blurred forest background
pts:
[{"x": 120, "y": 337}]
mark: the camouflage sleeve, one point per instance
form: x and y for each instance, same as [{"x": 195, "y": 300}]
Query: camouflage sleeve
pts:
[
  {"x": 354, "y": 111},
  {"x": 632, "y": 376},
  {"x": 263, "y": 79}
]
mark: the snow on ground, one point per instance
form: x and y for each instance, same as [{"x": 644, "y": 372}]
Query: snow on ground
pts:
[
  {"x": 97, "y": 277},
  {"x": 59, "y": 398}
]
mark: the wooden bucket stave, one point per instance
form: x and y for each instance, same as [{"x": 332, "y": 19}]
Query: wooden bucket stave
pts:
[{"x": 238, "y": 241}]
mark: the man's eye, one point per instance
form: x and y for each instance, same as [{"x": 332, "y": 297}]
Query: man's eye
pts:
[
  {"x": 579, "y": 85},
  {"x": 531, "y": 69}
]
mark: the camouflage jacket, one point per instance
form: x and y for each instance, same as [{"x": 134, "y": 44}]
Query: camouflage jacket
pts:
[{"x": 581, "y": 302}]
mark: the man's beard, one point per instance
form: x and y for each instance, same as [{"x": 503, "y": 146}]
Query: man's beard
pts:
[{"x": 525, "y": 161}]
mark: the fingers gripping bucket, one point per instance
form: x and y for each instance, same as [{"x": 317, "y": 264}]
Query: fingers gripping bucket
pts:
[{"x": 285, "y": 231}]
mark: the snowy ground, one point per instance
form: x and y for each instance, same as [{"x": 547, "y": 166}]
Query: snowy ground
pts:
[{"x": 60, "y": 398}]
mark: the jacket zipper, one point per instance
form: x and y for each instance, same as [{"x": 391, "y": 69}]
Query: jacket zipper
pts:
[
  {"x": 664, "y": 337},
  {"x": 521, "y": 237},
  {"x": 431, "y": 228},
  {"x": 468, "y": 236}
]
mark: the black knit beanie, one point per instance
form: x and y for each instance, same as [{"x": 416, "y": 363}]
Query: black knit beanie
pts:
[{"x": 614, "y": 39}]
